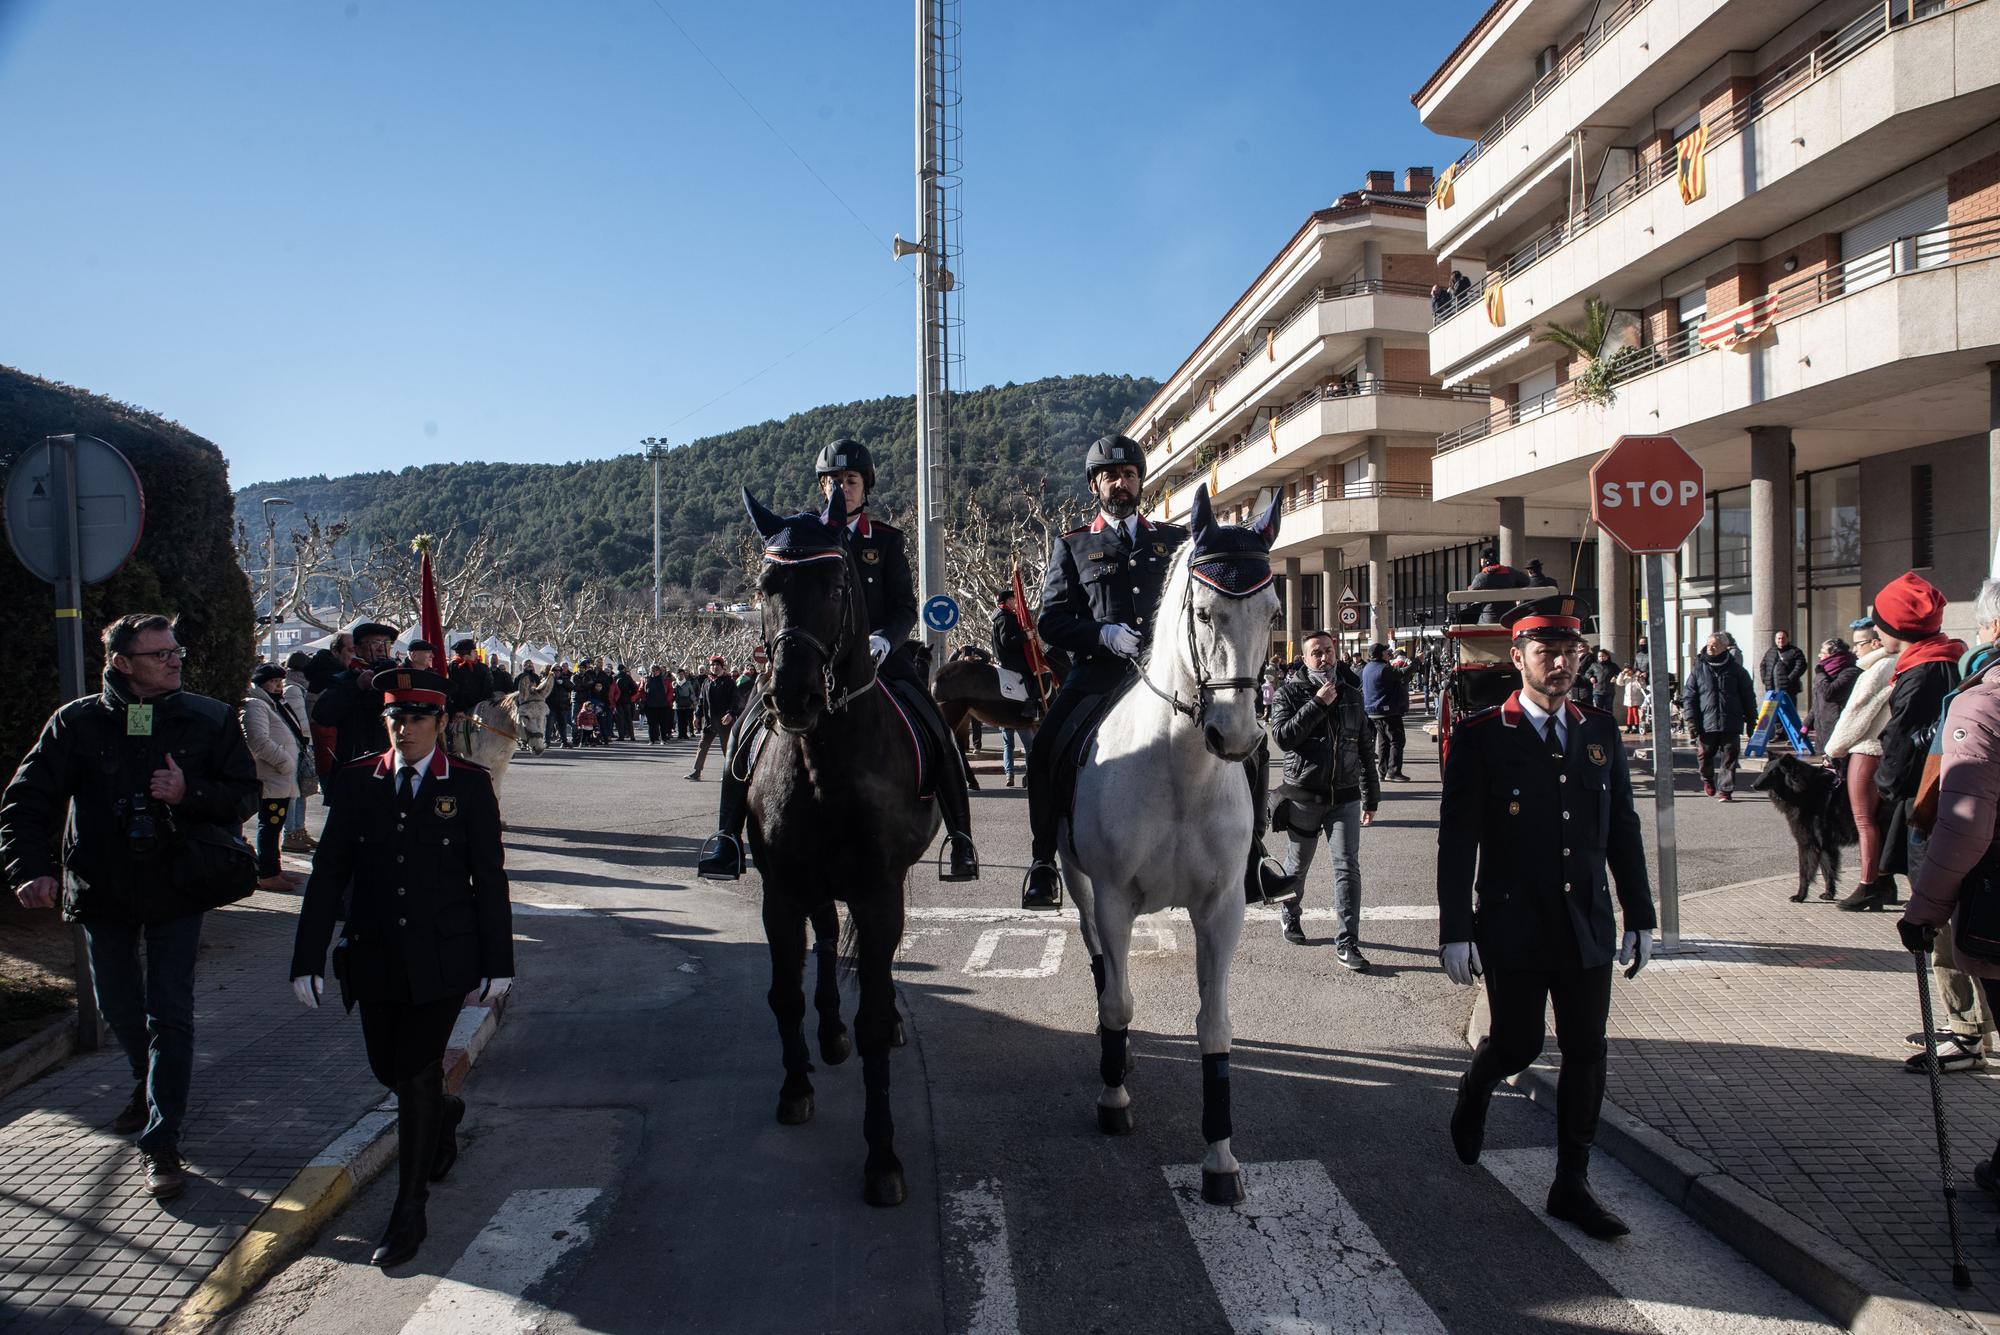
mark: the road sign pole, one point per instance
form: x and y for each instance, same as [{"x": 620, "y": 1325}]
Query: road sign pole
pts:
[
  {"x": 69, "y": 671},
  {"x": 1663, "y": 750}
]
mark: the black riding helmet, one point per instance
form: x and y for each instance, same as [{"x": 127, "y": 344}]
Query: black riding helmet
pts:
[
  {"x": 1110, "y": 452},
  {"x": 844, "y": 453}
]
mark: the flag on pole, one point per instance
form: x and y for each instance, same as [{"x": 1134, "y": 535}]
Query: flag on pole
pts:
[
  {"x": 430, "y": 625},
  {"x": 1037, "y": 663}
]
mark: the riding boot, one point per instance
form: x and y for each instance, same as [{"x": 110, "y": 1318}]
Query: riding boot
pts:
[
  {"x": 419, "y": 1118},
  {"x": 1579, "y": 1096},
  {"x": 956, "y": 807},
  {"x": 721, "y": 857},
  {"x": 1042, "y": 887},
  {"x": 1264, "y": 881}
]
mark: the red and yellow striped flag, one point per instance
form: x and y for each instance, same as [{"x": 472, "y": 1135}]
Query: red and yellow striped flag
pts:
[
  {"x": 1496, "y": 305},
  {"x": 1692, "y": 167}
]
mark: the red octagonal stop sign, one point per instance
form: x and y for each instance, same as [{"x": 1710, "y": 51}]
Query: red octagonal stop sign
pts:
[{"x": 1647, "y": 493}]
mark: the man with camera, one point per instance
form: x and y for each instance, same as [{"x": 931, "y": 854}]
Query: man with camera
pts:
[
  {"x": 351, "y": 705},
  {"x": 153, "y": 785},
  {"x": 1329, "y": 790}
]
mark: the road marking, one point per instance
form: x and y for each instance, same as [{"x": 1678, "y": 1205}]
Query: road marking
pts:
[
  {"x": 976, "y": 1222},
  {"x": 522, "y": 910},
  {"x": 520, "y": 1245},
  {"x": 1679, "y": 1276},
  {"x": 1295, "y": 1259},
  {"x": 1052, "y": 938},
  {"x": 1002, "y": 913},
  {"x": 913, "y": 934},
  {"x": 1149, "y": 937}
]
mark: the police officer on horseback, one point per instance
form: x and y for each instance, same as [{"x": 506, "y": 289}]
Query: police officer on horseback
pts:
[
  {"x": 889, "y": 590},
  {"x": 1100, "y": 596}
]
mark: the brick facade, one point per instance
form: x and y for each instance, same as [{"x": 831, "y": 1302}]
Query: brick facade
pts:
[
  {"x": 1812, "y": 257},
  {"x": 1733, "y": 286},
  {"x": 1421, "y": 269},
  {"x": 1412, "y": 364}
]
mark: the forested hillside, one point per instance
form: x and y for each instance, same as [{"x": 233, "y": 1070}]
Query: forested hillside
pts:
[{"x": 593, "y": 520}]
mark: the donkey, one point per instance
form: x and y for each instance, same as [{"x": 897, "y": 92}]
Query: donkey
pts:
[
  {"x": 834, "y": 813},
  {"x": 1162, "y": 817},
  {"x": 501, "y": 726}
]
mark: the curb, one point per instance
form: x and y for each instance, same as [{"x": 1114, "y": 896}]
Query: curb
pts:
[
  {"x": 317, "y": 1192},
  {"x": 1848, "y": 1288},
  {"x": 49, "y": 1046}
]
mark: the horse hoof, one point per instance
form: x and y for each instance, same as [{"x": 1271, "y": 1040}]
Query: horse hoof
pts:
[
  {"x": 1115, "y": 1121},
  {"x": 899, "y": 1039},
  {"x": 1222, "y": 1188},
  {"x": 835, "y": 1047},
  {"x": 884, "y": 1187},
  {"x": 795, "y": 1109}
]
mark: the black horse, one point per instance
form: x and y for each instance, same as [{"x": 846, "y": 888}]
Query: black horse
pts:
[{"x": 834, "y": 814}]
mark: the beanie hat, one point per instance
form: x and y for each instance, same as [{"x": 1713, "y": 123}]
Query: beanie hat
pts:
[{"x": 1910, "y": 607}]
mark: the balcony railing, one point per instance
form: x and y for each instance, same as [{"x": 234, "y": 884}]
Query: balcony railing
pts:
[
  {"x": 1975, "y": 239},
  {"x": 1360, "y": 491},
  {"x": 1875, "y": 22},
  {"x": 1570, "y": 63}
]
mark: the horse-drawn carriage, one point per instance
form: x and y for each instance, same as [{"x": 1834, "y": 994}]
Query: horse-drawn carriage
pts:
[{"x": 1476, "y": 668}]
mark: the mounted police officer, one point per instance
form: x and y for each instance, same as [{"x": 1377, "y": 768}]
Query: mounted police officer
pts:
[
  {"x": 1100, "y": 593},
  {"x": 413, "y": 847},
  {"x": 1537, "y": 806},
  {"x": 889, "y": 591}
]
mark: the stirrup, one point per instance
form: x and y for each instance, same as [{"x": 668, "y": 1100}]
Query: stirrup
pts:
[
  {"x": 1050, "y": 902},
  {"x": 944, "y": 858},
  {"x": 1273, "y": 886},
  {"x": 721, "y": 858}
]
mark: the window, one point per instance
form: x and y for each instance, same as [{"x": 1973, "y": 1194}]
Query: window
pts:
[
  {"x": 1536, "y": 394},
  {"x": 1309, "y": 608},
  {"x": 1354, "y": 476},
  {"x": 1906, "y": 237},
  {"x": 1922, "y": 548}
]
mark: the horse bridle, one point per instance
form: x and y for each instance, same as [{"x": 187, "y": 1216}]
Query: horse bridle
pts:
[
  {"x": 828, "y": 654},
  {"x": 1204, "y": 685}
]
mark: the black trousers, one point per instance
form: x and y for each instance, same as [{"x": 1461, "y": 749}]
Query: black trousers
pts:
[
  {"x": 683, "y": 723},
  {"x": 659, "y": 725},
  {"x": 1519, "y": 999},
  {"x": 403, "y": 1037},
  {"x": 270, "y": 831},
  {"x": 1388, "y": 743}
]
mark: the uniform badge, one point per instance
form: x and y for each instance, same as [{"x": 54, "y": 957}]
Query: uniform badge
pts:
[
  {"x": 870, "y": 555},
  {"x": 1097, "y": 556},
  {"x": 1596, "y": 752},
  {"x": 445, "y": 807},
  {"x": 1513, "y": 808},
  {"x": 1159, "y": 549}
]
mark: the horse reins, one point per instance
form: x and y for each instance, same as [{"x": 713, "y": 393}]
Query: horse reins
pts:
[{"x": 1204, "y": 685}]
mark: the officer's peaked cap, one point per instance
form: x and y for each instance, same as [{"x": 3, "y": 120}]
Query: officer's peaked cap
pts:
[
  {"x": 844, "y": 453},
  {"x": 408, "y": 690},
  {"x": 1557, "y": 617},
  {"x": 1113, "y": 451}
]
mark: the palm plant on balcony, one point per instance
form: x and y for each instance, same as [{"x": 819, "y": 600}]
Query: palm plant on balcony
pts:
[{"x": 1598, "y": 381}]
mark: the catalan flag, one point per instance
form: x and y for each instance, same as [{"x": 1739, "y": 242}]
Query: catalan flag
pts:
[
  {"x": 1692, "y": 166},
  {"x": 1750, "y": 321},
  {"x": 1496, "y": 305},
  {"x": 1442, "y": 195}
]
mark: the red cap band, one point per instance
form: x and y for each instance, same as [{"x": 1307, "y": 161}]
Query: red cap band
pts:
[{"x": 1526, "y": 624}]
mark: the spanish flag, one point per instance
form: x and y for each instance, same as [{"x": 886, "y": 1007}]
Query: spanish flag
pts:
[
  {"x": 1496, "y": 306},
  {"x": 1692, "y": 167}
]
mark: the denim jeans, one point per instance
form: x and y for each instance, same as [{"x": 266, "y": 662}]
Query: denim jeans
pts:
[
  {"x": 295, "y": 815},
  {"x": 151, "y": 1011},
  {"x": 1342, "y": 829},
  {"x": 1007, "y": 744}
]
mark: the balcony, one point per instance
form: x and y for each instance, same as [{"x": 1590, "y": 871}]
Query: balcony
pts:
[
  {"x": 1405, "y": 510},
  {"x": 1760, "y": 184},
  {"x": 1852, "y": 336}
]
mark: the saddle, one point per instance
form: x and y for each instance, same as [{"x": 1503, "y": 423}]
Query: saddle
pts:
[
  {"x": 1072, "y": 743},
  {"x": 903, "y": 696}
]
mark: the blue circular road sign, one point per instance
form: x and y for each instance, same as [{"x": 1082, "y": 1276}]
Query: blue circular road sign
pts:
[{"x": 941, "y": 613}]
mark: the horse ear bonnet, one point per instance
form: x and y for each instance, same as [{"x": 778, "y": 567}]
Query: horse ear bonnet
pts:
[
  {"x": 801, "y": 537},
  {"x": 1231, "y": 558}
]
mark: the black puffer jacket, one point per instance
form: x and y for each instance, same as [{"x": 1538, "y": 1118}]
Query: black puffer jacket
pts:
[
  {"x": 1325, "y": 745},
  {"x": 1784, "y": 670},
  {"x": 1719, "y": 697},
  {"x": 84, "y": 756}
]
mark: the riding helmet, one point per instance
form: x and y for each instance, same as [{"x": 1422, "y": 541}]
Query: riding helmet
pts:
[
  {"x": 844, "y": 453},
  {"x": 1112, "y": 451}
]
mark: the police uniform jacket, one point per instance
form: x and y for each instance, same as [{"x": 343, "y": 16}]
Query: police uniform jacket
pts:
[
  {"x": 427, "y": 913},
  {"x": 1096, "y": 578},
  {"x": 1535, "y": 837},
  {"x": 887, "y": 587}
]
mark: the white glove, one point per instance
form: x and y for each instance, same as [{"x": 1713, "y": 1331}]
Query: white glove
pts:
[
  {"x": 1639, "y": 945},
  {"x": 492, "y": 989},
  {"x": 307, "y": 988},
  {"x": 1120, "y": 640},
  {"x": 1461, "y": 962},
  {"x": 878, "y": 648}
]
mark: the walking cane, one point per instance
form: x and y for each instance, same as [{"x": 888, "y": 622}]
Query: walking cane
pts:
[{"x": 1960, "y": 1276}]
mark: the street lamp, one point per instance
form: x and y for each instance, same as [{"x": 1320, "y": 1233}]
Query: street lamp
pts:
[
  {"x": 656, "y": 450},
  {"x": 271, "y": 565}
]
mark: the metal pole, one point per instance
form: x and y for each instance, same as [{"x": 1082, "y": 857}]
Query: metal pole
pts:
[
  {"x": 271, "y": 576},
  {"x": 69, "y": 671},
  {"x": 932, "y": 242},
  {"x": 1663, "y": 751},
  {"x": 654, "y": 454}
]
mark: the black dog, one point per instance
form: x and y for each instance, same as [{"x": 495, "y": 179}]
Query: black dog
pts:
[{"x": 1815, "y": 804}]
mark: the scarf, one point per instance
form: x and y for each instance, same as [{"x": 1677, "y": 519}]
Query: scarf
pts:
[
  {"x": 1935, "y": 649},
  {"x": 1835, "y": 664}
]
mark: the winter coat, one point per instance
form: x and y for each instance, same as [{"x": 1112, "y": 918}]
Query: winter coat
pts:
[
  {"x": 1916, "y": 703},
  {"x": 659, "y": 693},
  {"x": 1858, "y": 729},
  {"x": 1326, "y": 746},
  {"x": 1968, "y": 803},
  {"x": 1635, "y": 690},
  {"x": 1602, "y": 675},
  {"x": 1783, "y": 670},
  {"x": 271, "y": 744},
  {"x": 1835, "y": 683},
  {"x": 1718, "y": 697},
  {"x": 1384, "y": 690}
]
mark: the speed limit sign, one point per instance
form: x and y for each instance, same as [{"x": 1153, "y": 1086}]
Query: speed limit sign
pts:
[{"x": 1353, "y": 616}]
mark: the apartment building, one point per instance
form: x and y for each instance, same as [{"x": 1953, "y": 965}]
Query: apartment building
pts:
[
  {"x": 1316, "y": 385},
  {"x": 1790, "y": 213}
]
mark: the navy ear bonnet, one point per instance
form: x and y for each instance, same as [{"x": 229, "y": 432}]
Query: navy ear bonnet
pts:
[
  {"x": 1232, "y": 559},
  {"x": 801, "y": 537}
]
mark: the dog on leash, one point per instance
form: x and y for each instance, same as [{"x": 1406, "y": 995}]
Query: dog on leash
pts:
[{"x": 1814, "y": 800}]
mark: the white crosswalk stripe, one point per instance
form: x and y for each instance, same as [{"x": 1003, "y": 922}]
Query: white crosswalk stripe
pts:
[
  {"x": 527, "y": 1236},
  {"x": 976, "y": 1241},
  {"x": 1680, "y": 1277},
  {"x": 1295, "y": 1258},
  {"x": 1256, "y": 913}
]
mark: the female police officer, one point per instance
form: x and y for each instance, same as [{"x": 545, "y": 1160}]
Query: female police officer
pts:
[{"x": 413, "y": 842}]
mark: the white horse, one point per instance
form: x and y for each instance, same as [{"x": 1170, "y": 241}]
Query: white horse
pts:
[
  {"x": 500, "y": 726},
  {"x": 1162, "y": 814}
]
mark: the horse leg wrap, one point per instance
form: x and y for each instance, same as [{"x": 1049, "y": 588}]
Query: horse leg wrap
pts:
[
  {"x": 1111, "y": 1056},
  {"x": 1215, "y": 1123},
  {"x": 1097, "y": 973},
  {"x": 878, "y": 1127}
]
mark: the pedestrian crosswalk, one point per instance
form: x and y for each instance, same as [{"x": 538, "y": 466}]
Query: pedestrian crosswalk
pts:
[{"x": 486, "y": 1289}]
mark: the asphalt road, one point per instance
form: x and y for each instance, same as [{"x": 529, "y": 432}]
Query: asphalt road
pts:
[{"x": 625, "y": 1173}]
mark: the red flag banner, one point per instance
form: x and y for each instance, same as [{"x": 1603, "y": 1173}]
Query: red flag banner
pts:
[
  {"x": 1037, "y": 664},
  {"x": 429, "y": 625}
]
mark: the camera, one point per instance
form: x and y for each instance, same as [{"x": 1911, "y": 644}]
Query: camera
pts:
[{"x": 142, "y": 833}]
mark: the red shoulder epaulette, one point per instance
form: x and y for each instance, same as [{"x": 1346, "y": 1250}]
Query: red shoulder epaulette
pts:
[{"x": 372, "y": 759}]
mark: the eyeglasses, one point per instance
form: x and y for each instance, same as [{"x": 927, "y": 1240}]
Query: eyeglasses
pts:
[{"x": 160, "y": 655}]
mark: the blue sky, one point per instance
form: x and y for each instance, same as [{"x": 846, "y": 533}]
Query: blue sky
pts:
[{"x": 336, "y": 236}]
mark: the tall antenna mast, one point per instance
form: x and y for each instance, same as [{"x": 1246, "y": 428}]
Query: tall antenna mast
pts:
[{"x": 939, "y": 323}]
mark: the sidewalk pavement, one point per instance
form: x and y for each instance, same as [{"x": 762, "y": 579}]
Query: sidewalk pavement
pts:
[
  {"x": 1767, "y": 1053},
  {"x": 82, "y": 1246}
]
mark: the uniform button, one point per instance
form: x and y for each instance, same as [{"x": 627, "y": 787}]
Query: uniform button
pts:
[
  {"x": 1565, "y": 852},
  {"x": 405, "y": 922},
  {"x": 1566, "y": 887},
  {"x": 1565, "y": 817},
  {"x": 1562, "y": 778},
  {"x": 401, "y": 891},
  {"x": 399, "y": 856},
  {"x": 399, "y": 827},
  {"x": 447, "y": 843}
]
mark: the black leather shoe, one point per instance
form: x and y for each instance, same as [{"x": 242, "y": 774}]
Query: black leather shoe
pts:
[
  {"x": 447, "y": 1147},
  {"x": 721, "y": 858},
  {"x": 1570, "y": 1201},
  {"x": 131, "y": 1119},
  {"x": 1042, "y": 887},
  {"x": 1868, "y": 897},
  {"x": 1468, "y": 1120},
  {"x": 964, "y": 859},
  {"x": 406, "y": 1232}
]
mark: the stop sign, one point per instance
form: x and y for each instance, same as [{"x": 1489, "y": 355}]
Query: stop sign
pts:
[{"x": 1647, "y": 493}]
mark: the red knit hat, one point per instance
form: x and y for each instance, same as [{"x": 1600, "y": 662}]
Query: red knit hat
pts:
[{"x": 1910, "y": 608}]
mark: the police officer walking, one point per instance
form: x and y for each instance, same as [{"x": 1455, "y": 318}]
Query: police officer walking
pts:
[
  {"x": 1537, "y": 804},
  {"x": 1100, "y": 593},
  {"x": 889, "y": 592},
  {"x": 413, "y": 844}
]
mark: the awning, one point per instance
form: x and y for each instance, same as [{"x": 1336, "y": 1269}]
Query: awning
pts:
[{"x": 1491, "y": 359}]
